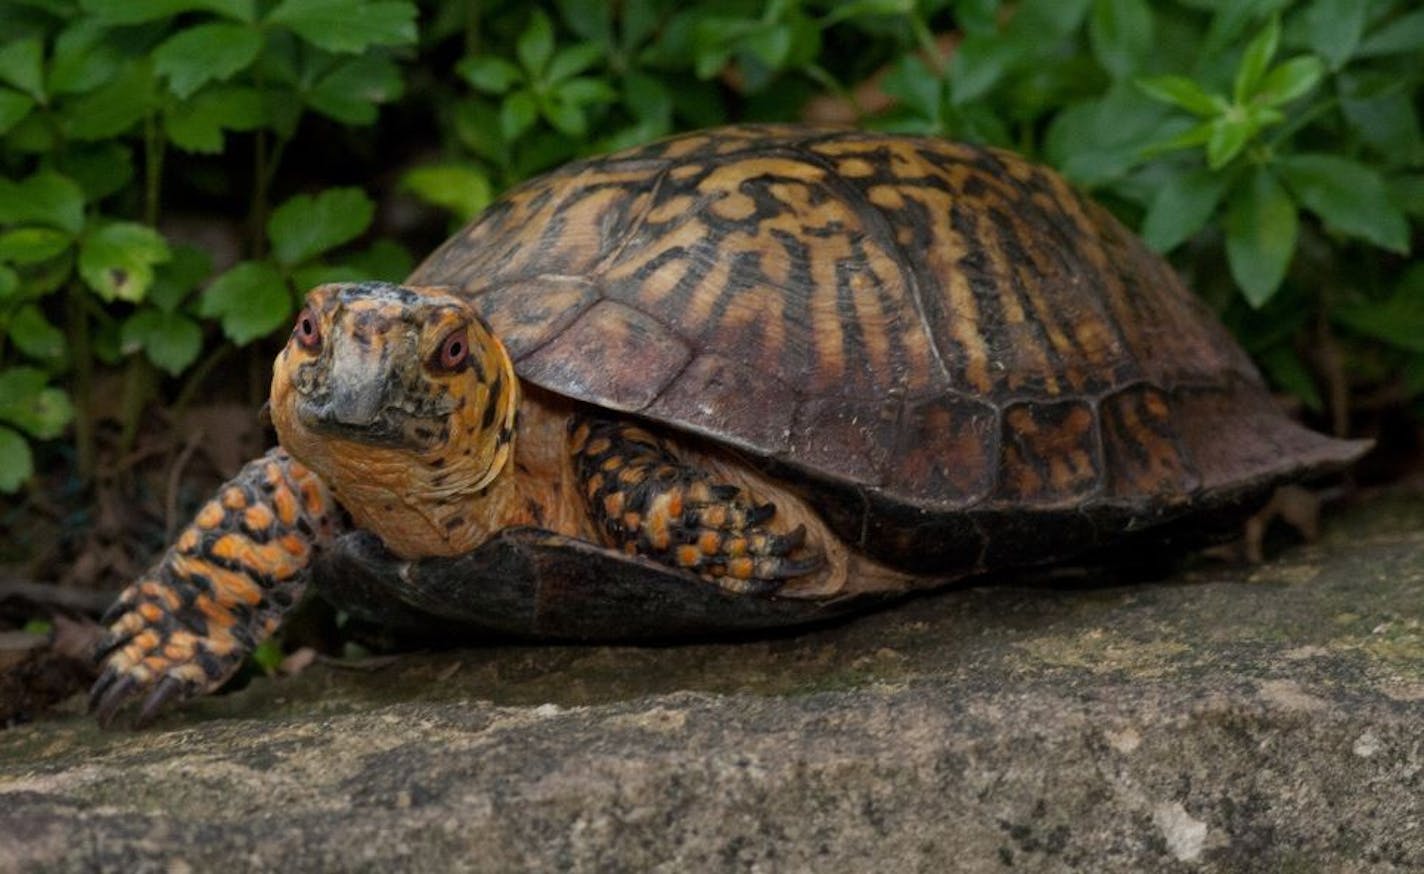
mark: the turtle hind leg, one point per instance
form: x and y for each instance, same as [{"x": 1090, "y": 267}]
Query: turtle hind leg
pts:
[{"x": 648, "y": 502}]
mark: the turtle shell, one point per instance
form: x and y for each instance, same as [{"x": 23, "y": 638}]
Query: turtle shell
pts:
[{"x": 964, "y": 361}]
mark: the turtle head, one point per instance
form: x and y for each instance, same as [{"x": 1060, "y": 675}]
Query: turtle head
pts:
[{"x": 406, "y": 390}]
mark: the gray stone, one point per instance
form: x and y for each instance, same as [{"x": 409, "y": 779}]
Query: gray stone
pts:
[{"x": 1266, "y": 718}]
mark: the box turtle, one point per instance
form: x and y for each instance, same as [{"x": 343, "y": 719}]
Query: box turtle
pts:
[{"x": 740, "y": 378}]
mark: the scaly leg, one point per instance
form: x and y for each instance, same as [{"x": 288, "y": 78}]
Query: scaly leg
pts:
[
  {"x": 647, "y": 502},
  {"x": 219, "y": 591}
]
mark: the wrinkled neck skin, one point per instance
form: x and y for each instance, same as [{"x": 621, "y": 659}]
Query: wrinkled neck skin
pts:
[{"x": 438, "y": 474}]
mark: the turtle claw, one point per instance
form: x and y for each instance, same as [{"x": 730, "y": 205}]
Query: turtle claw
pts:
[
  {"x": 169, "y": 688},
  {"x": 109, "y": 695}
]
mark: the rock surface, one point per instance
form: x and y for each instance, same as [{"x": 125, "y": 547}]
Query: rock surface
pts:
[{"x": 1263, "y": 718}]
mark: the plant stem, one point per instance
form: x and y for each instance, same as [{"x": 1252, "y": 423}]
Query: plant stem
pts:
[
  {"x": 196, "y": 377},
  {"x": 153, "y": 171},
  {"x": 260, "y": 178},
  {"x": 79, "y": 346},
  {"x": 472, "y": 27},
  {"x": 138, "y": 389}
]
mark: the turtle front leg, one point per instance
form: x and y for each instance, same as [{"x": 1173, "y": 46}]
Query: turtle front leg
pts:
[
  {"x": 186, "y": 625},
  {"x": 648, "y": 502}
]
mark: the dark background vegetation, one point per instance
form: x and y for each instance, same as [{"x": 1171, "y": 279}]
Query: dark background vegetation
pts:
[{"x": 174, "y": 174}]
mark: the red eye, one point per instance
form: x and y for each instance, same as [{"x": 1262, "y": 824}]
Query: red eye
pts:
[
  {"x": 454, "y": 349},
  {"x": 308, "y": 330}
]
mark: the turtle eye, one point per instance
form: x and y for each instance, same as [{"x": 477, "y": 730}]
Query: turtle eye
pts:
[
  {"x": 454, "y": 349},
  {"x": 308, "y": 329}
]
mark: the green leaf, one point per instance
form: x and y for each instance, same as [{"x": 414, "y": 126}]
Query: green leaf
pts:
[
  {"x": 351, "y": 91},
  {"x": 45, "y": 198},
  {"x": 463, "y": 189},
  {"x": 306, "y": 226},
  {"x": 139, "y": 11},
  {"x": 1290, "y": 80},
  {"x": 536, "y": 44},
  {"x": 1257, "y": 58},
  {"x": 1349, "y": 197},
  {"x": 176, "y": 278},
  {"x": 1035, "y": 19},
  {"x": 1404, "y": 34},
  {"x": 911, "y": 83},
  {"x": 1181, "y": 208},
  {"x": 84, "y": 58},
  {"x": 1333, "y": 29},
  {"x": 1261, "y": 228},
  {"x": 115, "y": 107},
  {"x": 9, "y": 282},
  {"x": 251, "y": 300},
  {"x": 32, "y": 245},
  {"x": 489, "y": 74},
  {"x": 1397, "y": 320},
  {"x": 849, "y": 9},
  {"x": 17, "y": 464},
  {"x": 1407, "y": 193},
  {"x": 979, "y": 63},
  {"x": 20, "y": 65},
  {"x": 1096, "y": 142},
  {"x": 1183, "y": 92},
  {"x": 567, "y": 118},
  {"x": 100, "y": 169},
  {"x": 170, "y": 340},
  {"x": 586, "y": 90},
  {"x": 572, "y": 61},
  {"x": 197, "y": 125},
  {"x": 590, "y": 19},
  {"x": 516, "y": 114},
  {"x": 1383, "y": 115},
  {"x": 317, "y": 273},
  {"x": 770, "y": 45},
  {"x": 33, "y": 335},
  {"x": 268, "y": 656},
  {"x": 386, "y": 260},
  {"x": 117, "y": 260},
  {"x": 344, "y": 26},
  {"x": 1120, "y": 32},
  {"x": 1229, "y": 135},
  {"x": 198, "y": 55},
  {"x": 14, "y": 106},
  {"x": 34, "y": 407},
  {"x": 647, "y": 98}
]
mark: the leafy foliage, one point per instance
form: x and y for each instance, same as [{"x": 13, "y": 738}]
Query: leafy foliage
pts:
[{"x": 1272, "y": 147}]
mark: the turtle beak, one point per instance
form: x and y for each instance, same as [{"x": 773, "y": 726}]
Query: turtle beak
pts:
[
  {"x": 358, "y": 394},
  {"x": 358, "y": 386}
]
